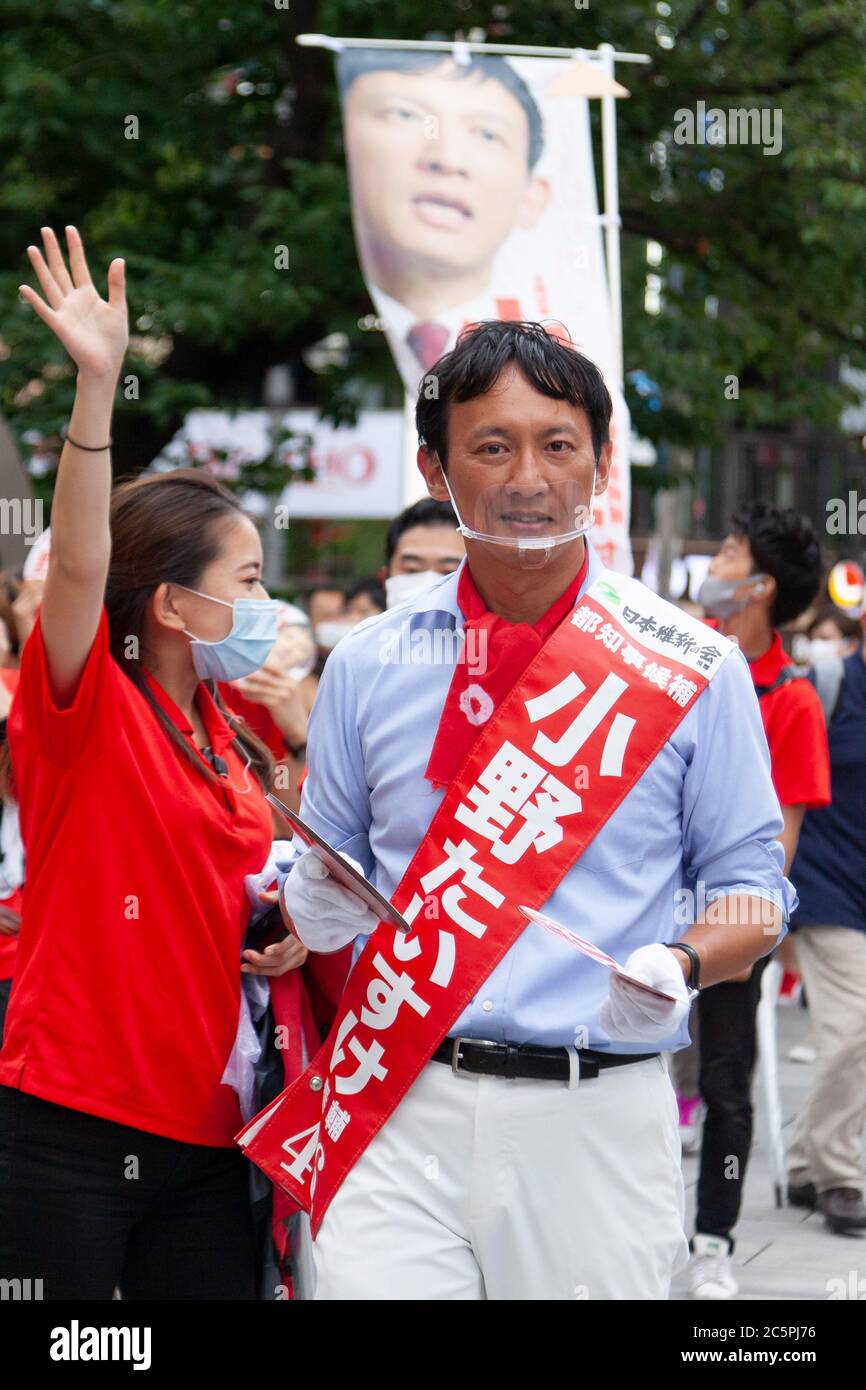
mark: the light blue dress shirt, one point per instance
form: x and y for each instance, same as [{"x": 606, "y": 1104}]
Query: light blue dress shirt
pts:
[{"x": 704, "y": 812}]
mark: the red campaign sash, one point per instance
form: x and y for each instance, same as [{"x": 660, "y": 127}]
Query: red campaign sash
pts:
[{"x": 506, "y": 832}]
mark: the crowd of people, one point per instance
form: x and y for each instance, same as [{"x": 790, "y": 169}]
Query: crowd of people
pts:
[{"x": 157, "y": 931}]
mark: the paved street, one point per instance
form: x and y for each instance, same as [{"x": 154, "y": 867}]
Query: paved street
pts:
[{"x": 787, "y": 1253}]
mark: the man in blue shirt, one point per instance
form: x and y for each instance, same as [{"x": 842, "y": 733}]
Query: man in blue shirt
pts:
[
  {"x": 825, "y": 1165},
  {"x": 491, "y": 1181}
]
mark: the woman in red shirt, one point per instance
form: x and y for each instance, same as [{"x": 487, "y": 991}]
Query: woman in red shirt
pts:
[
  {"x": 142, "y": 811},
  {"x": 11, "y": 866}
]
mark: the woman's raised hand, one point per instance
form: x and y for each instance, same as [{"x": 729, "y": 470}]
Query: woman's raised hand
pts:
[{"x": 93, "y": 331}]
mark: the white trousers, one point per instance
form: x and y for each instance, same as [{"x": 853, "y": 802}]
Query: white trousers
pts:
[{"x": 479, "y": 1187}]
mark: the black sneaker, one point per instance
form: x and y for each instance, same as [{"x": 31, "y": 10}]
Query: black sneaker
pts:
[
  {"x": 804, "y": 1194},
  {"x": 843, "y": 1209}
]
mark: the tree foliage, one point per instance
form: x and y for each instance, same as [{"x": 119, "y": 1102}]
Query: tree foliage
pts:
[{"x": 197, "y": 139}]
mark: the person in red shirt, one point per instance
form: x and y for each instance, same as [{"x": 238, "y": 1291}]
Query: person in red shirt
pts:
[
  {"x": 142, "y": 811},
  {"x": 766, "y": 573},
  {"x": 11, "y": 867},
  {"x": 19, "y": 604}
]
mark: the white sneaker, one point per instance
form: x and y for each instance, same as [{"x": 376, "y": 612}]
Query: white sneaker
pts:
[
  {"x": 802, "y": 1052},
  {"x": 711, "y": 1273},
  {"x": 692, "y": 1116}
]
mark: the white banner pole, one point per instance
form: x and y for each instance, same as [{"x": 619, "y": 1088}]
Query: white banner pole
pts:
[
  {"x": 516, "y": 50},
  {"x": 611, "y": 219},
  {"x": 412, "y": 485}
]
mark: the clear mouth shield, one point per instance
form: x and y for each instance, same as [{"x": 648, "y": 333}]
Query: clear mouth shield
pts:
[{"x": 529, "y": 518}]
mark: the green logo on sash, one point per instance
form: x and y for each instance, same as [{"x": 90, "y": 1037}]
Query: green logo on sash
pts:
[{"x": 606, "y": 590}]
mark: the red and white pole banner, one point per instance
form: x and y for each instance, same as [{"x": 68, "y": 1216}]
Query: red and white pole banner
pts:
[{"x": 474, "y": 197}]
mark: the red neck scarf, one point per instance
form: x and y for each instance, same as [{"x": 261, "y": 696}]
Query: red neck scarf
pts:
[{"x": 495, "y": 655}]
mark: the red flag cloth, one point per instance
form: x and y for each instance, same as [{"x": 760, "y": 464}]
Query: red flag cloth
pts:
[{"x": 495, "y": 655}]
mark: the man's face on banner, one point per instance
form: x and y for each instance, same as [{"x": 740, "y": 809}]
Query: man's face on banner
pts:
[{"x": 439, "y": 169}]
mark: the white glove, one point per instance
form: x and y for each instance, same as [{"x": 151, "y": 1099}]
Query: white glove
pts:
[
  {"x": 326, "y": 915},
  {"x": 630, "y": 1015}
]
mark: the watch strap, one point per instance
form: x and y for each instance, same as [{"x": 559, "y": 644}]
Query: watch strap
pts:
[{"x": 694, "y": 980}]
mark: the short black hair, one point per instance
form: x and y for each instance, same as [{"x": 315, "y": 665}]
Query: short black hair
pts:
[
  {"x": 427, "y": 512},
  {"x": 371, "y": 586},
  {"x": 783, "y": 544},
  {"x": 474, "y": 365},
  {"x": 353, "y": 63}
]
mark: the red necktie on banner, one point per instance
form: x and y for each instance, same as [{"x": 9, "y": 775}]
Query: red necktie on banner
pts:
[
  {"x": 495, "y": 654},
  {"x": 427, "y": 341}
]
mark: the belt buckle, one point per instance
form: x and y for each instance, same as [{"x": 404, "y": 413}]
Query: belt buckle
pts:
[{"x": 476, "y": 1042}]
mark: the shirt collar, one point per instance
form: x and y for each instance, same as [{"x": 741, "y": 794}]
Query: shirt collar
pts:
[
  {"x": 392, "y": 311},
  {"x": 218, "y": 732},
  {"x": 765, "y": 668},
  {"x": 400, "y": 319},
  {"x": 442, "y": 597}
]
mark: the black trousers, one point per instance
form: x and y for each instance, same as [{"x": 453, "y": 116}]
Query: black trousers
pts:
[
  {"x": 87, "y": 1205},
  {"x": 728, "y": 1051}
]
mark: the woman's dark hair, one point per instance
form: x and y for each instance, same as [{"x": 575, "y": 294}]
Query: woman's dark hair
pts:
[
  {"x": 475, "y": 363},
  {"x": 783, "y": 544},
  {"x": 166, "y": 527},
  {"x": 849, "y": 628},
  {"x": 10, "y": 587}
]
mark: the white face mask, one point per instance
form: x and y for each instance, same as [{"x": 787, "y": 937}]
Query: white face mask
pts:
[
  {"x": 400, "y": 587},
  {"x": 328, "y": 634},
  {"x": 824, "y": 649}
]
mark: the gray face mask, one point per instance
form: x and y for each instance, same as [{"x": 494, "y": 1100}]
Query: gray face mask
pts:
[{"x": 716, "y": 596}]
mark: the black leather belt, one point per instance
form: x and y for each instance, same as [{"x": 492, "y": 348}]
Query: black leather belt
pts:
[{"x": 490, "y": 1058}]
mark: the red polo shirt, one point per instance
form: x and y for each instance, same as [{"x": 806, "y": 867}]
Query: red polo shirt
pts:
[
  {"x": 257, "y": 717},
  {"x": 127, "y": 982},
  {"x": 9, "y": 944},
  {"x": 796, "y": 732}
]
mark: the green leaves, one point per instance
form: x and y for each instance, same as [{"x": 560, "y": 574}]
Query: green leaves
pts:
[{"x": 196, "y": 140}]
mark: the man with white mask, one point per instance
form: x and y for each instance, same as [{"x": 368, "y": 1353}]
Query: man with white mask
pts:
[
  {"x": 422, "y": 544},
  {"x": 491, "y": 1117}
]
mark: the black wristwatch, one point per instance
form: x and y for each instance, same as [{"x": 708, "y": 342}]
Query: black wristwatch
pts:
[{"x": 694, "y": 981}]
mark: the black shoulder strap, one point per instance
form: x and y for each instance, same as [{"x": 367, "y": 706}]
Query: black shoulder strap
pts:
[{"x": 785, "y": 676}]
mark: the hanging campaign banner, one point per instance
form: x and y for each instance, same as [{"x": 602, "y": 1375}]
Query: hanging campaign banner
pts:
[{"x": 474, "y": 197}]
